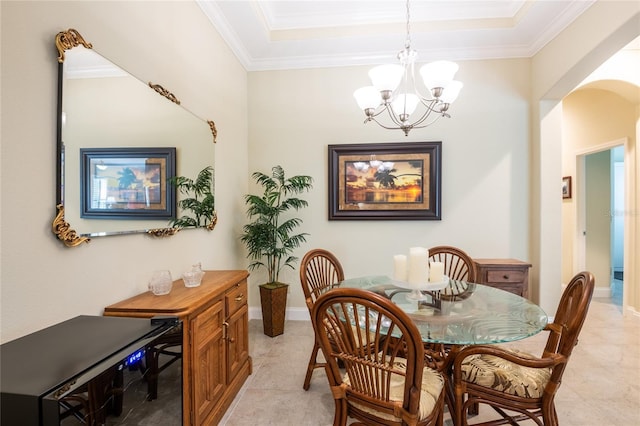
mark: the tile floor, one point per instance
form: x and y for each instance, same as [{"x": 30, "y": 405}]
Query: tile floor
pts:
[{"x": 601, "y": 386}]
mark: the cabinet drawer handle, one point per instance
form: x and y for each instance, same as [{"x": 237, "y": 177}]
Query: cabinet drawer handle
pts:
[
  {"x": 239, "y": 297},
  {"x": 506, "y": 277}
]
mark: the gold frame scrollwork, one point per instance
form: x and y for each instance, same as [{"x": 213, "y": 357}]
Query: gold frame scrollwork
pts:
[
  {"x": 63, "y": 230},
  {"x": 66, "y": 40},
  {"x": 214, "y": 221},
  {"x": 164, "y": 92},
  {"x": 69, "y": 39},
  {"x": 163, "y": 232},
  {"x": 214, "y": 131}
]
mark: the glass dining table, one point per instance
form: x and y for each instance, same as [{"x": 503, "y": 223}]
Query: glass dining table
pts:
[
  {"x": 457, "y": 314},
  {"x": 461, "y": 313}
]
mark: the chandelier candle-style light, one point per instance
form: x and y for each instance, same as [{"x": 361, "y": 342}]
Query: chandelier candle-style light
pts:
[{"x": 395, "y": 91}]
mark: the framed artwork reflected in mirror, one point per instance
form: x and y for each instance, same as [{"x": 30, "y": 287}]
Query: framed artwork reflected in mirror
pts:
[{"x": 127, "y": 183}]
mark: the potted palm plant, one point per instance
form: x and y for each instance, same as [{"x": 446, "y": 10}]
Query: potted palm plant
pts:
[
  {"x": 198, "y": 205},
  {"x": 271, "y": 238}
]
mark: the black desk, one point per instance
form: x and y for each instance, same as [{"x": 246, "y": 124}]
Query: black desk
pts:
[{"x": 40, "y": 368}]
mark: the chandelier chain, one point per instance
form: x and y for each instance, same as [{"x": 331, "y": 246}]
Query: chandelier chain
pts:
[{"x": 407, "y": 42}]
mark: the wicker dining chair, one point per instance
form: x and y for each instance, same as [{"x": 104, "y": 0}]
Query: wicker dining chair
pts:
[
  {"x": 384, "y": 381},
  {"x": 159, "y": 355},
  {"x": 458, "y": 265},
  {"x": 319, "y": 271},
  {"x": 515, "y": 381},
  {"x": 92, "y": 402}
]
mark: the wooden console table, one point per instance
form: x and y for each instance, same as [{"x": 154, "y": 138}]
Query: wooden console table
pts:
[
  {"x": 507, "y": 274},
  {"x": 215, "y": 350}
]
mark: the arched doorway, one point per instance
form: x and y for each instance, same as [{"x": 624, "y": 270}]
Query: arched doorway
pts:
[{"x": 547, "y": 231}]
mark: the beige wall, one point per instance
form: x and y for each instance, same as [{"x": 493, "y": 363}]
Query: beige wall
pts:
[
  {"x": 295, "y": 114},
  {"x": 171, "y": 43}
]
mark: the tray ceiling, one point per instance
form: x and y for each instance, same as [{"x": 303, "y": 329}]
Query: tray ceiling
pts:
[{"x": 267, "y": 35}]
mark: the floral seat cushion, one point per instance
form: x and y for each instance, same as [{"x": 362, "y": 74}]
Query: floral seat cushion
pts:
[
  {"x": 501, "y": 375},
  {"x": 432, "y": 384}
]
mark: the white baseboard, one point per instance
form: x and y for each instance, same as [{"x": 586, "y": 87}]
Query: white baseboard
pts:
[{"x": 292, "y": 314}]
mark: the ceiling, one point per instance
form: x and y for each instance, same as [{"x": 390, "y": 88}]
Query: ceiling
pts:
[{"x": 269, "y": 35}]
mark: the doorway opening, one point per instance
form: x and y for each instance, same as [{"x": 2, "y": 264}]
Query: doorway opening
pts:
[{"x": 601, "y": 175}]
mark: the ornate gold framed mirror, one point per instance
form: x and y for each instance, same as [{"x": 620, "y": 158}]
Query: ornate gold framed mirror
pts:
[{"x": 103, "y": 109}]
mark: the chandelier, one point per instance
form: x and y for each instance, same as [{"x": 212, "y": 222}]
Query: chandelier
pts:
[{"x": 395, "y": 92}]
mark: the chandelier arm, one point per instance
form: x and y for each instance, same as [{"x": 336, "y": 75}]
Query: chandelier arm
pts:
[
  {"x": 422, "y": 126},
  {"x": 417, "y": 124},
  {"x": 381, "y": 108},
  {"x": 371, "y": 116},
  {"x": 383, "y": 126},
  {"x": 393, "y": 117},
  {"x": 423, "y": 99},
  {"x": 430, "y": 103},
  {"x": 426, "y": 115}
]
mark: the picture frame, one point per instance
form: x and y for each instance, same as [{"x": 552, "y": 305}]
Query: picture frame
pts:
[
  {"x": 127, "y": 183},
  {"x": 566, "y": 187},
  {"x": 385, "y": 181}
]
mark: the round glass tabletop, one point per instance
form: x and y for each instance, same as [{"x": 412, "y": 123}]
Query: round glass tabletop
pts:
[{"x": 462, "y": 313}]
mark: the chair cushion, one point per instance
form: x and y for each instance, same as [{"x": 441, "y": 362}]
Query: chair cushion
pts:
[
  {"x": 432, "y": 384},
  {"x": 498, "y": 374}
]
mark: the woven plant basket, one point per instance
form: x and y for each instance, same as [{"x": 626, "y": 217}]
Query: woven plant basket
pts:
[{"x": 273, "y": 298}]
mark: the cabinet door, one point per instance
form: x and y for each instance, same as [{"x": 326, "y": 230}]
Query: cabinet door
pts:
[
  {"x": 208, "y": 374},
  {"x": 237, "y": 341}
]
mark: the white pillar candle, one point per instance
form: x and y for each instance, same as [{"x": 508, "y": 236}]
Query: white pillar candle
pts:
[
  {"x": 436, "y": 272},
  {"x": 400, "y": 267},
  {"x": 418, "y": 265}
]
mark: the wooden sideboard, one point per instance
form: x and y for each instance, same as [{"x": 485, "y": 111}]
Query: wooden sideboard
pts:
[
  {"x": 215, "y": 350},
  {"x": 507, "y": 274}
]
